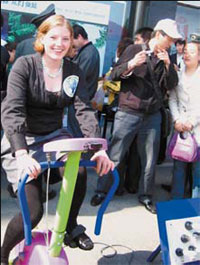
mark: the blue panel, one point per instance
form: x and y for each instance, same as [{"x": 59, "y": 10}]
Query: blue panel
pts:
[{"x": 170, "y": 210}]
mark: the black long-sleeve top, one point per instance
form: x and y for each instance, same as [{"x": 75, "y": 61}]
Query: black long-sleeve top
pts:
[{"x": 30, "y": 109}]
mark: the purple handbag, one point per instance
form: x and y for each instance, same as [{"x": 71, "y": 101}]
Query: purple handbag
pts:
[{"x": 183, "y": 147}]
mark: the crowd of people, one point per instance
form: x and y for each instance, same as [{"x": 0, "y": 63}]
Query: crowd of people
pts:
[{"x": 38, "y": 91}]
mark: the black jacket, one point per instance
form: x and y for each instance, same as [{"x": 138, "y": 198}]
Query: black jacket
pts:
[
  {"x": 137, "y": 93},
  {"x": 3, "y": 73},
  {"x": 173, "y": 58},
  {"x": 25, "y": 47},
  {"x": 89, "y": 61},
  {"x": 30, "y": 108}
]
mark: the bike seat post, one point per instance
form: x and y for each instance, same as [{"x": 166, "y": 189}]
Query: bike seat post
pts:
[
  {"x": 64, "y": 203},
  {"x": 75, "y": 147}
]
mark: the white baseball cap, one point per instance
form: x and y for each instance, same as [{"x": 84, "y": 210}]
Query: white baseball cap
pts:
[{"x": 169, "y": 26}]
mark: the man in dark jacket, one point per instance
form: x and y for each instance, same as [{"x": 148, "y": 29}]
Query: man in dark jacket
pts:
[
  {"x": 139, "y": 107},
  {"x": 88, "y": 59}
]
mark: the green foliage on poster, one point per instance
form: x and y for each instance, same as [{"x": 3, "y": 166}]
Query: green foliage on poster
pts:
[
  {"x": 18, "y": 29},
  {"x": 100, "y": 42}
]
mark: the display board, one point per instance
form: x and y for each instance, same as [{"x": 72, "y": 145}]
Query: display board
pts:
[
  {"x": 179, "y": 229},
  {"x": 94, "y": 17}
]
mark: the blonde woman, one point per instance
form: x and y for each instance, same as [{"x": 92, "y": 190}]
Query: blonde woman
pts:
[
  {"x": 39, "y": 87},
  {"x": 185, "y": 109}
]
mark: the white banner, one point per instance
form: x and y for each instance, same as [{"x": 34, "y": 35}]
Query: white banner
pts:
[
  {"x": 33, "y": 7},
  {"x": 77, "y": 10},
  {"x": 84, "y": 11}
]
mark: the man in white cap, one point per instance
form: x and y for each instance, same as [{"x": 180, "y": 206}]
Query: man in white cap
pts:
[{"x": 140, "y": 101}]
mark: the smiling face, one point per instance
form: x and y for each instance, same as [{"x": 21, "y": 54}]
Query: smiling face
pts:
[
  {"x": 191, "y": 55},
  {"x": 57, "y": 42},
  {"x": 54, "y": 37}
]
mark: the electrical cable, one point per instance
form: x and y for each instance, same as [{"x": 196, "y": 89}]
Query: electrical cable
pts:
[
  {"x": 113, "y": 247},
  {"x": 48, "y": 156}
]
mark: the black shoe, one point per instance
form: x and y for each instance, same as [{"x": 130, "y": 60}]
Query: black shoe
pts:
[
  {"x": 51, "y": 195},
  {"x": 166, "y": 187},
  {"x": 11, "y": 191},
  {"x": 148, "y": 205},
  {"x": 97, "y": 199},
  {"x": 82, "y": 241}
]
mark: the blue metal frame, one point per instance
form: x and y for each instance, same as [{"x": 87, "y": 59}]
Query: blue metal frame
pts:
[
  {"x": 170, "y": 210},
  {"x": 55, "y": 164}
]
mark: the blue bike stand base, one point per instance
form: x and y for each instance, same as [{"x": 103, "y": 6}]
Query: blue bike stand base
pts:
[{"x": 154, "y": 254}]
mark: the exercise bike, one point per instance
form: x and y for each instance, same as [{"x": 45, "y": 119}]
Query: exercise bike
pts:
[{"x": 34, "y": 249}]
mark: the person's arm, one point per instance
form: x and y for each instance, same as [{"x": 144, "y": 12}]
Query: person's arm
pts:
[
  {"x": 194, "y": 109},
  {"x": 131, "y": 58},
  {"x": 173, "y": 105},
  {"x": 13, "y": 108},
  {"x": 171, "y": 77},
  {"x": 174, "y": 109},
  {"x": 14, "y": 118},
  {"x": 89, "y": 126}
]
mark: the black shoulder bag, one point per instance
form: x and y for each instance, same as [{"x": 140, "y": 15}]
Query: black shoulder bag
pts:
[{"x": 166, "y": 115}]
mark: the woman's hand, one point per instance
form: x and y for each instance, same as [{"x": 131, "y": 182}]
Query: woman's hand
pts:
[
  {"x": 178, "y": 126},
  {"x": 28, "y": 165},
  {"x": 183, "y": 126},
  {"x": 104, "y": 164},
  {"x": 187, "y": 126}
]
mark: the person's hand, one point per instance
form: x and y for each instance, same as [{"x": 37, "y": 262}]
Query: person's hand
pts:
[
  {"x": 28, "y": 165},
  {"x": 187, "y": 126},
  {"x": 104, "y": 164},
  {"x": 164, "y": 56},
  {"x": 176, "y": 68},
  {"x": 138, "y": 59},
  {"x": 178, "y": 126}
]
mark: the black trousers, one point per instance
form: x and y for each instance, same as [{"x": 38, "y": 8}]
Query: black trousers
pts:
[{"x": 15, "y": 230}]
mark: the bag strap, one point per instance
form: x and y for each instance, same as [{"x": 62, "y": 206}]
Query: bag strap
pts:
[{"x": 153, "y": 78}]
